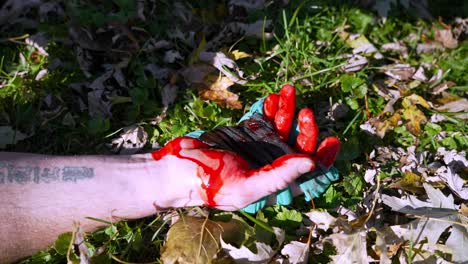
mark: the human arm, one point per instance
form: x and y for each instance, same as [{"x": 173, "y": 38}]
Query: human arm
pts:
[{"x": 42, "y": 196}]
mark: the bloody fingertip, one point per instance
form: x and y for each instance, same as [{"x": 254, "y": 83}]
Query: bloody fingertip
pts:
[{"x": 327, "y": 151}]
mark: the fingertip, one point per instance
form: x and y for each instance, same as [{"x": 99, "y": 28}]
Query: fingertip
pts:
[
  {"x": 327, "y": 151},
  {"x": 270, "y": 106},
  {"x": 301, "y": 162}
]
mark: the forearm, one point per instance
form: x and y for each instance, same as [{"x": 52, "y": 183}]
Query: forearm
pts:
[{"x": 42, "y": 196}]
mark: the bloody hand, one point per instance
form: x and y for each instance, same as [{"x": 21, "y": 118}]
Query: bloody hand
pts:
[{"x": 222, "y": 179}]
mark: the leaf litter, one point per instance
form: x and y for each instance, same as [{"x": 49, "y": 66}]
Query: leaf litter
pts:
[{"x": 427, "y": 188}]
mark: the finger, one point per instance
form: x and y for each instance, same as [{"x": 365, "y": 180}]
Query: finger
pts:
[
  {"x": 306, "y": 140},
  {"x": 174, "y": 147},
  {"x": 285, "y": 114},
  {"x": 279, "y": 174},
  {"x": 327, "y": 151},
  {"x": 270, "y": 106}
]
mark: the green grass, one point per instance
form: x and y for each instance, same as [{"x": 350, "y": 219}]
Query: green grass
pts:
[{"x": 292, "y": 56}]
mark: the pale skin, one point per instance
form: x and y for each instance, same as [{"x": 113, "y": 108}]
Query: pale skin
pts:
[{"x": 43, "y": 196}]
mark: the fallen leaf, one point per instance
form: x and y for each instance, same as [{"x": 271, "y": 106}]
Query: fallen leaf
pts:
[
  {"x": 428, "y": 47},
  {"x": 216, "y": 89},
  {"x": 323, "y": 220},
  {"x": 245, "y": 255},
  {"x": 460, "y": 105},
  {"x": 409, "y": 182},
  {"x": 224, "y": 64},
  {"x": 296, "y": 252},
  {"x": 355, "y": 63},
  {"x": 436, "y": 77},
  {"x": 351, "y": 248},
  {"x": 131, "y": 140},
  {"x": 237, "y": 55},
  {"x": 415, "y": 99},
  {"x": 387, "y": 244},
  {"x": 436, "y": 215},
  {"x": 192, "y": 240},
  {"x": 442, "y": 87},
  {"x": 379, "y": 125},
  {"x": 445, "y": 36},
  {"x": 9, "y": 136},
  {"x": 453, "y": 181},
  {"x": 420, "y": 74},
  {"x": 396, "y": 47},
  {"x": 360, "y": 44},
  {"x": 399, "y": 72},
  {"x": 414, "y": 118}
]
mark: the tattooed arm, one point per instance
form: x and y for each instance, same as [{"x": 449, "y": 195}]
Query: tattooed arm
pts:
[{"x": 42, "y": 196}]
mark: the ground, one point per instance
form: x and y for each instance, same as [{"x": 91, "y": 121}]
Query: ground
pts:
[{"x": 387, "y": 78}]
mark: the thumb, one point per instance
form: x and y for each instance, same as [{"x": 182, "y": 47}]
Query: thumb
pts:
[{"x": 277, "y": 175}]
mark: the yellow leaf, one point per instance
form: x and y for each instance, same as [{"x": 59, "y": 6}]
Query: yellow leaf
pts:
[
  {"x": 237, "y": 55},
  {"x": 410, "y": 182},
  {"x": 383, "y": 125},
  {"x": 357, "y": 42},
  {"x": 415, "y": 99},
  {"x": 215, "y": 88},
  {"x": 414, "y": 118}
]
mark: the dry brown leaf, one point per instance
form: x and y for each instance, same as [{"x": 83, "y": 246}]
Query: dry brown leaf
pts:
[
  {"x": 414, "y": 118},
  {"x": 360, "y": 44},
  {"x": 442, "y": 87},
  {"x": 355, "y": 63},
  {"x": 215, "y": 88},
  {"x": 453, "y": 106},
  {"x": 428, "y": 47},
  {"x": 396, "y": 47},
  {"x": 400, "y": 72},
  {"x": 445, "y": 37},
  {"x": 382, "y": 125}
]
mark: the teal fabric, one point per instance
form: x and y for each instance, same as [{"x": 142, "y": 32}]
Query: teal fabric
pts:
[{"x": 313, "y": 184}]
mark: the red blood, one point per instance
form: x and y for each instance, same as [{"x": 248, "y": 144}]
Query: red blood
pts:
[
  {"x": 174, "y": 146},
  {"x": 327, "y": 151},
  {"x": 279, "y": 162},
  {"x": 213, "y": 158},
  {"x": 270, "y": 106},
  {"x": 285, "y": 114},
  {"x": 306, "y": 140}
]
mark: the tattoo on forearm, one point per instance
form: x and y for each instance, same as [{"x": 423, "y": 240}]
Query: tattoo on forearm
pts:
[{"x": 11, "y": 173}]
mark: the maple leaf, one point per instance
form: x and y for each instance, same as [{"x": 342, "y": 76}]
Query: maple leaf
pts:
[{"x": 436, "y": 215}]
